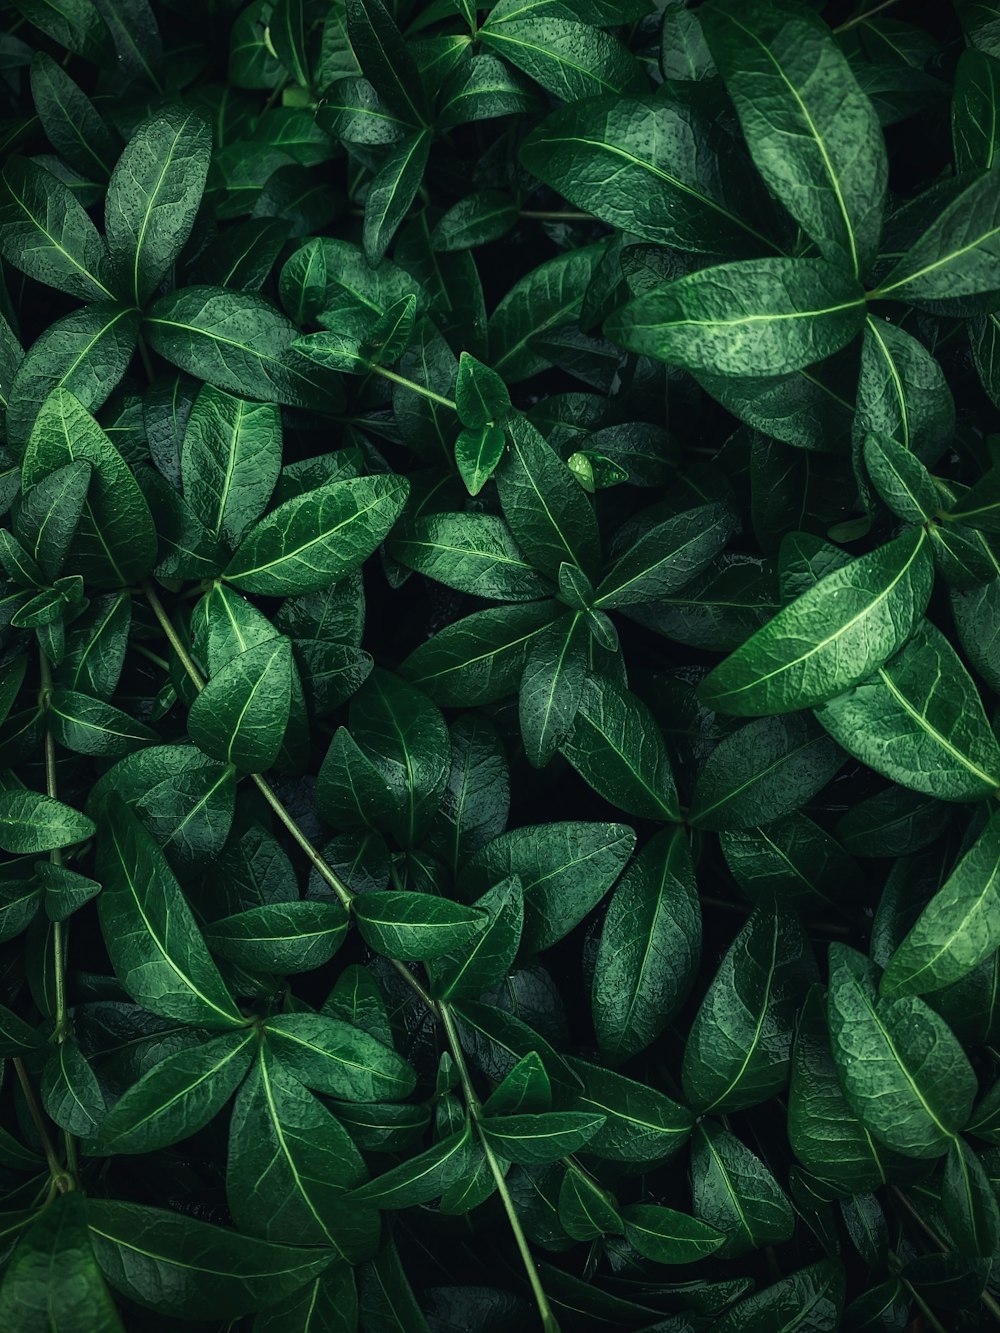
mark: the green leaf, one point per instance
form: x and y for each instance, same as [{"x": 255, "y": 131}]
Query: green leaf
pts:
[
  {"x": 643, "y": 164},
  {"x": 241, "y": 715},
  {"x": 45, "y": 233},
  {"x": 230, "y": 461},
  {"x": 405, "y": 736},
  {"x": 152, "y": 940},
  {"x": 901, "y": 479},
  {"x": 831, "y": 636},
  {"x": 475, "y": 220},
  {"x": 791, "y": 858},
  {"x": 640, "y": 1124},
  {"x": 738, "y": 1048},
  {"x": 65, "y": 890},
  {"x": 392, "y": 192},
  {"x": 532, "y": 1140},
  {"x": 823, "y": 1132},
  {"x": 476, "y": 967},
  {"x": 386, "y": 59},
  {"x": 479, "y": 659},
  {"x": 952, "y": 266},
  {"x": 649, "y": 948},
  {"x": 667, "y": 556},
  {"x": 184, "y": 798},
  {"x": 974, "y": 111},
  {"x": 291, "y": 1164},
  {"x": 190, "y": 1269},
  {"x": 565, "y": 870},
  {"x": 52, "y": 1280},
  {"x": 552, "y": 686},
  {"x": 958, "y": 928},
  {"x": 569, "y": 60},
  {"x": 902, "y": 392},
  {"x": 759, "y": 317},
  {"x": 416, "y": 925},
  {"x": 85, "y": 353},
  {"x": 318, "y": 537},
  {"x": 473, "y": 553},
  {"x": 617, "y": 748},
  {"x": 551, "y": 518},
  {"x": 969, "y": 1203},
  {"x": 115, "y": 541},
  {"x": 280, "y": 937},
  {"x": 239, "y": 342},
  {"x": 71, "y": 1094},
  {"x": 153, "y": 197},
  {"x": 176, "y": 1097},
  {"x": 526, "y": 1088},
  {"x": 920, "y": 721},
  {"x": 48, "y": 515},
  {"x": 90, "y": 726},
  {"x": 337, "y": 1059},
  {"x": 476, "y": 799},
  {"x": 71, "y": 123},
  {"x": 32, "y": 823},
  {"x": 544, "y": 300},
  {"x": 585, "y": 1210},
  {"x": 811, "y": 1299},
  {"x": 903, "y": 1072},
  {"x": 478, "y": 451},
  {"x": 766, "y": 769},
  {"x": 74, "y": 24},
  {"x": 667, "y": 1236},
  {"x": 734, "y": 1192},
  {"x": 813, "y": 134},
  {"x": 327, "y": 1302}
]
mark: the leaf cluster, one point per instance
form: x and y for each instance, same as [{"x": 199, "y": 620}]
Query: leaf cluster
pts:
[{"x": 499, "y": 666}]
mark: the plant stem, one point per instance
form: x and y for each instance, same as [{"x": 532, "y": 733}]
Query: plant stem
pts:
[
  {"x": 549, "y": 1322},
  {"x": 439, "y": 1009},
  {"x": 173, "y": 638},
  {"x": 543, "y": 215},
  {"x": 150, "y": 656},
  {"x": 416, "y": 388},
  {"x": 62, "y": 1181},
  {"x": 327, "y": 873},
  {"x": 59, "y": 928},
  {"x": 863, "y": 18}
]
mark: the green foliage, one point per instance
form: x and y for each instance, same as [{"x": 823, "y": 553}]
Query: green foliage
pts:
[{"x": 499, "y": 666}]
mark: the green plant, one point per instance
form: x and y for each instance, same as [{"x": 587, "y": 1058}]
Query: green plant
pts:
[{"x": 499, "y": 638}]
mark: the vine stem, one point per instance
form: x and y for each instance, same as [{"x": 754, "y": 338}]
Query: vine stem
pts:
[
  {"x": 59, "y": 928},
  {"x": 542, "y": 215},
  {"x": 415, "y": 387},
  {"x": 438, "y": 1008},
  {"x": 62, "y": 1181},
  {"x": 863, "y": 18},
  {"x": 549, "y": 1322}
]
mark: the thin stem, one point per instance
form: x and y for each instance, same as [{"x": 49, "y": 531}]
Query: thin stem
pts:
[
  {"x": 325, "y": 871},
  {"x": 59, "y": 1176},
  {"x": 544, "y": 215},
  {"x": 59, "y": 928},
  {"x": 549, "y": 1322},
  {"x": 173, "y": 638},
  {"x": 439, "y": 1010},
  {"x": 150, "y": 656},
  {"x": 932, "y": 1320},
  {"x": 416, "y": 388},
  {"x": 863, "y": 18}
]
